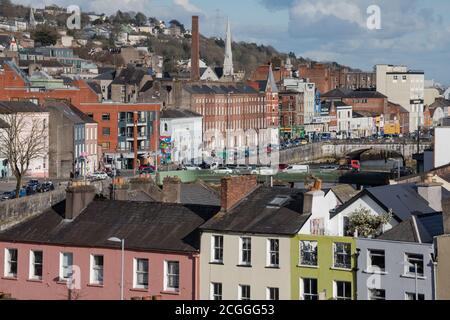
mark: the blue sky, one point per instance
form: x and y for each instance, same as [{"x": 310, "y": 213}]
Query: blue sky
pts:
[{"x": 413, "y": 32}]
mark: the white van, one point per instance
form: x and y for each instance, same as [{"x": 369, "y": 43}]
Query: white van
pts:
[{"x": 297, "y": 169}]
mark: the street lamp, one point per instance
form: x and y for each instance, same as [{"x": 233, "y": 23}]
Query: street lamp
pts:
[{"x": 122, "y": 242}]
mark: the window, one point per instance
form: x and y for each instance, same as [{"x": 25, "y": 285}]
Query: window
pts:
[
  {"x": 106, "y": 145},
  {"x": 273, "y": 294},
  {"x": 172, "y": 276},
  {"x": 377, "y": 294},
  {"x": 246, "y": 251},
  {"x": 413, "y": 260},
  {"x": 97, "y": 269},
  {"x": 216, "y": 291},
  {"x": 412, "y": 296},
  {"x": 343, "y": 290},
  {"x": 11, "y": 263},
  {"x": 66, "y": 262},
  {"x": 404, "y": 78},
  {"x": 244, "y": 292},
  {"x": 36, "y": 261},
  {"x": 217, "y": 249},
  {"x": 141, "y": 273},
  {"x": 309, "y": 289},
  {"x": 342, "y": 255},
  {"x": 106, "y": 131},
  {"x": 395, "y": 77},
  {"x": 308, "y": 253},
  {"x": 273, "y": 253},
  {"x": 106, "y": 116},
  {"x": 376, "y": 260}
]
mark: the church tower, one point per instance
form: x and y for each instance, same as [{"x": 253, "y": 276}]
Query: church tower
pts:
[
  {"x": 228, "y": 63},
  {"x": 32, "y": 22}
]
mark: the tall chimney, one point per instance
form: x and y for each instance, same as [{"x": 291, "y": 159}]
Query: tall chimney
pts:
[
  {"x": 172, "y": 190},
  {"x": 195, "y": 50},
  {"x": 431, "y": 191},
  {"x": 78, "y": 197},
  {"x": 234, "y": 189}
]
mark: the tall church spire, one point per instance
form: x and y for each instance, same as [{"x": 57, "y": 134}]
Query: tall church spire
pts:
[
  {"x": 32, "y": 22},
  {"x": 228, "y": 63}
]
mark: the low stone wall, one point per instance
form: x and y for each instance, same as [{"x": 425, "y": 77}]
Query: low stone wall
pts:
[{"x": 17, "y": 210}]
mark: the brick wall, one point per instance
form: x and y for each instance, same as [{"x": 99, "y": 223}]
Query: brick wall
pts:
[{"x": 234, "y": 189}]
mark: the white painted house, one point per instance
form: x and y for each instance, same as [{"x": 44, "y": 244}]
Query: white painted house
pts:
[{"x": 184, "y": 128}]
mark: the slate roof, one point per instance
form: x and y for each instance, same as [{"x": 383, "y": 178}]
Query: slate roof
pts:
[
  {"x": 130, "y": 76},
  {"x": 353, "y": 94},
  {"x": 403, "y": 199},
  {"x": 197, "y": 193},
  {"x": 70, "y": 112},
  {"x": 344, "y": 192},
  {"x": 146, "y": 226},
  {"x": 171, "y": 113},
  {"x": 420, "y": 229},
  {"x": 216, "y": 89},
  {"x": 255, "y": 214},
  {"x": 106, "y": 75},
  {"x": 19, "y": 106},
  {"x": 95, "y": 87}
]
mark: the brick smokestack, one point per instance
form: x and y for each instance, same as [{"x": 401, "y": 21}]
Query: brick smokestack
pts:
[
  {"x": 195, "y": 50},
  {"x": 234, "y": 189}
]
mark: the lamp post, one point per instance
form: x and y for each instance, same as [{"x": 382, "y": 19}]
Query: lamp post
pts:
[{"x": 122, "y": 242}]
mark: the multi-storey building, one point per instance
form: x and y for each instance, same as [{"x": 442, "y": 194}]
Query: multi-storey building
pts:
[
  {"x": 116, "y": 144},
  {"x": 404, "y": 87},
  {"x": 309, "y": 96},
  {"x": 291, "y": 112},
  {"x": 26, "y": 120},
  {"x": 73, "y": 136},
  {"x": 118, "y": 123}
]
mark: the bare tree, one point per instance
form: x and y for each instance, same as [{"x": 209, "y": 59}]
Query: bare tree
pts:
[{"x": 22, "y": 142}]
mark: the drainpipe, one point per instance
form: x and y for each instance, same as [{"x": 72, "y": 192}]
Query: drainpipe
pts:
[{"x": 196, "y": 258}]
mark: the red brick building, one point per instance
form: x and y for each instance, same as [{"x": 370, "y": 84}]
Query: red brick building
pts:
[
  {"x": 328, "y": 78},
  {"x": 115, "y": 120},
  {"x": 291, "y": 105},
  {"x": 361, "y": 100}
]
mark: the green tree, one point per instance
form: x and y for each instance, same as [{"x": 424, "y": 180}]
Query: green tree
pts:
[
  {"x": 45, "y": 35},
  {"x": 366, "y": 224},
  {"x": 140, "y": 19}
]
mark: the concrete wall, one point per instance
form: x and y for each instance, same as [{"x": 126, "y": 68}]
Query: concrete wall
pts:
[
  {"x": 443, "y": 267},
  {"x": 258, "y": 276},
  {"x": 17, "y": 210},
  {"x": 394, "y": 280}
]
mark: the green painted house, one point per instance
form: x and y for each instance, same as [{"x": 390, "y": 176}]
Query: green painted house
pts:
[{"x": 323, "y": 267}]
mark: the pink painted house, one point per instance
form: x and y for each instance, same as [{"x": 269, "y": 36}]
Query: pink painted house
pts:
[{"x": 69, "y": 243}]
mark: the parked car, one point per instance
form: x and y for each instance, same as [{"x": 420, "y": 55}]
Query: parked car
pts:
[
  {"x": 223, "y": 170},
  {"x": 147, "y": 170},
  {"x": 297, "y": 169},
  {"x": 404, "y": 171},
  {"x": 98, "y": 176},
  {"x": 32, "y": 187},
  {"x": 7, "y": 195},
  {"x": 191, "y": 167},
  {"x": 46, "y": 186},
  {"x": 146, "y": 166},
  {"x": 329, "y": 167}
]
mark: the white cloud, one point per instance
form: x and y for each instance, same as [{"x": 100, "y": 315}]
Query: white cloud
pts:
[
  {"x": 186, "y": 5},
  {"x": 314, "y": 10}
]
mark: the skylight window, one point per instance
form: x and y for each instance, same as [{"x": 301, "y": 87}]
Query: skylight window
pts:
[{"x": 278, "y": 201}]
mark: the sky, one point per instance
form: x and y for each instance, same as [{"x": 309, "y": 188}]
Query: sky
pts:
[{"x": 415, "y": 33}]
